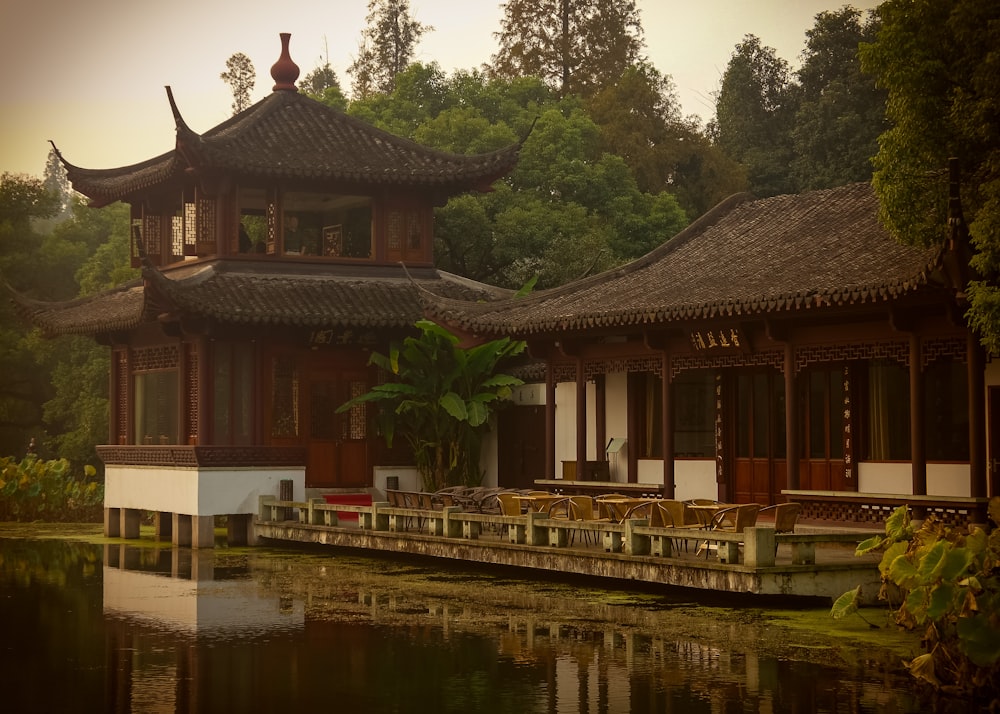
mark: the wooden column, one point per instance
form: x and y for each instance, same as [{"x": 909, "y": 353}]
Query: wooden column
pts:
[
  {"x": 581, "y": 420},
  {"x": 980, "y": 485},
  {"x": 600, "y": 417},
  {"x": 550, "y": 422},
  {"x": 667, "y": 422},
  {"x": 791, "y": 421},
  {"x": 918, "y": 451}
]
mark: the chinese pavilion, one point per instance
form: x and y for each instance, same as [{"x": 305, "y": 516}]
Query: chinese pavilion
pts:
[
  {"x": 777, "y": 349},
  {"x": 272, "y": 249}
]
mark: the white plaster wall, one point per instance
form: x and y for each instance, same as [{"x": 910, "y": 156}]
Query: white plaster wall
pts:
[
  {"x": 409, "y": 477},
  {"x": 566, "y": 424},
  {"x": 616, "y": 423},
  {"x": 695, "y": 478},
  {"x": 949, "y": 480},
  {"x": 897, "y": 478},
  {"x": 196, "y": 492}
]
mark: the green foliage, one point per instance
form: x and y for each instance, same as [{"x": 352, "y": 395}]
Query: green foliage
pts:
[
  {"x": 575, "y": 46},
  {"x": 937, "y": 60},
  {"x": 36, "y": 490},
  {"x": 841, "y": 112},
  {"x": 240, "y": 76},
  {"x": 947, "y": 584},
  {"x": 387, "y": 46},
  {"x": 754, "y": 115},
  {"x": 440, "y": 400}
]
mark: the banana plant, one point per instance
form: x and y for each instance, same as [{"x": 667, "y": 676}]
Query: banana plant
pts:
[{"x": 439, "y": 397}]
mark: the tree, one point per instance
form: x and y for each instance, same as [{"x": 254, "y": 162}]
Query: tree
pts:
[
  {"x": 937, "y": 60},
  {"x": 24, "y": 386},
  {"x": 240, "y": 76},
  {"x": 576, "y": 46},
  {"x": 754, "y": 113},
  {"x": 56, "y": 182},
  {"x": 441, "y": 400},
  {"x": 323, "y": 85},
  {"x": 387, "y": 46},
  {"x": 841, "y": 112},
  {"x": 640, "y": 121}
]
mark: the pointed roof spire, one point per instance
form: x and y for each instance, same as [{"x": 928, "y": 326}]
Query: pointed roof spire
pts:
[{"x": 284, "y": 72}]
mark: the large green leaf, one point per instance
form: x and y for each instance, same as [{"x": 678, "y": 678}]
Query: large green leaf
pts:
[
  {"x": 897, "y": 526},
  {"x": 894, "y": 551},
  {"x": 932, "y": 561},
  {"x": 956, "y": 563},
  {"x": 454, "y": 405},
  {"x": 941, "y": 601},
  {"x": 477, "y": 413},
  {"x": 903, "y": 572},
  {"x": 846, "y": 604},
  {"x": 870, "y": 544},
  {"x": 980, "y": 639}
]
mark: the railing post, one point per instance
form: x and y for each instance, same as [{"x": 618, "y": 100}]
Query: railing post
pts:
[
  {"x": 315, "y": 515},
  {"x": 264, "y": 507},
  {"x": 535, "y": 535},
  {"x": 558, "y": 536},
  {"x": 471, "y": 529},
  {"x": 758, "y": 547},
  {"x": 375, "y": 520},
  {"x": 452, "y": 526},
  {"x": 803, "y": 553},
  {"x": 636, "y": 544}
]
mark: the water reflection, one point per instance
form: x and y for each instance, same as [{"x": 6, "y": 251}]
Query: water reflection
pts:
[{"x": 165, "y": 629}]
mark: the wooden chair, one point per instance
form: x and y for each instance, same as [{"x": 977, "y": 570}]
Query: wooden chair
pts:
[
  {"x": 734, "y": 519},
  {"x": 672, "y": 515},
  {"x": 509, "y": 506},
  {"x": 648, "y": 510},
  {"x": 785, "y": 516}
]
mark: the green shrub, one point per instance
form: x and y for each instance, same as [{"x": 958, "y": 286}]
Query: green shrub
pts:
[
  {"x": 36, "y": 490},
  {"x": 947, "y": 586}
]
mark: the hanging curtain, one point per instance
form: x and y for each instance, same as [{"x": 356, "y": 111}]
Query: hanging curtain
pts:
[{"x": 878, "y": 411}]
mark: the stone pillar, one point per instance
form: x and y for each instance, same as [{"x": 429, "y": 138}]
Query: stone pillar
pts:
[
  {"x": 202, "y": 531},
  {"x": 112, "y": 522},
  {"x": 759, "y": 547},
  {"x": 129, "y": 523},
  {"x": 162, "y": 525},
  {"x": 239, "y": 529},
  {"x": 182, "y": 529}
]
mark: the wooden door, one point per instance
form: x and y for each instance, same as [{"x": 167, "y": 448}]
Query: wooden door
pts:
[
  {"x": 337, "y": 443},
  {"x": 757, "y": 438},
  {"x": 521, "y": 446}
]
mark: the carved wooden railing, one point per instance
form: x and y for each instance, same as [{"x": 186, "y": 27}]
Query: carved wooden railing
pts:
[{"x": 207, "y": 456}]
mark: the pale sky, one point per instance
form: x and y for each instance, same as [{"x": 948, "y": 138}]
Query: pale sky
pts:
[{"x": 91, "y": 75}]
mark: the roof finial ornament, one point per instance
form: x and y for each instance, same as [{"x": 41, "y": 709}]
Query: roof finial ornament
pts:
[{"x": 284, "y": 72}]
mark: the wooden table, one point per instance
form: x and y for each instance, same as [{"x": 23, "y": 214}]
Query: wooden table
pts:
[
  {"x": 705, "y": 511},
  {"x": 536, "y": 501},
  {"x": 616, "y": 508}
]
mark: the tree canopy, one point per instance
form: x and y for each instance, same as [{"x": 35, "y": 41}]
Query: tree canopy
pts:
[
  {"x": 240, "y": 76},
  {"x": 938, "y": 61},
  {"x": 575, "y": 46},
  {"x": 387, "y": 46}
]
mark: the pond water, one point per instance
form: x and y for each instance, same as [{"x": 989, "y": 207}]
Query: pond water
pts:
[{"x": 94, "y": 625}]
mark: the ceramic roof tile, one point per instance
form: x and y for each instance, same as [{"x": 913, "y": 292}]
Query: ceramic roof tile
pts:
[{"x": 745, "y": 257}]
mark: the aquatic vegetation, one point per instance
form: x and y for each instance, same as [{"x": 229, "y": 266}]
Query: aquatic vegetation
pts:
[
  {"x": 945, "y": 583},
  {"x": 33, "y": 489}
]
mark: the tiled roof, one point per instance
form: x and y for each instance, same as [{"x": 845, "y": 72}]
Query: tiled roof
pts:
[
  {"x": 114, "y": 310},
  {"x": 288, "y": 135},
  {"x": 745, "y": 257},
  {"x": 260, "y": 294}
]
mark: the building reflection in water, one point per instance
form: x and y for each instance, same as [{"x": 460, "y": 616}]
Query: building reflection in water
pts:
[{"x": 185, "y": 633}]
